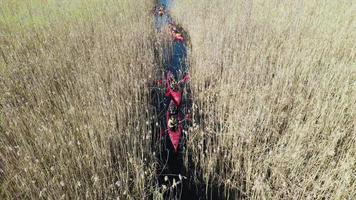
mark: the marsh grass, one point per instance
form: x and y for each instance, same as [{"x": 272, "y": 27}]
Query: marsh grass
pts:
[
  {"x": 274, "y": 97},
  {"x": 23, "y": 14},
  {"x": 273, "y": 85},
  {"x": 75, "y": 118}
]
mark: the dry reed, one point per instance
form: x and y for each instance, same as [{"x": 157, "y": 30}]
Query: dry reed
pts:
[
  {"x": 274, "y": 92},
  {"x": 75, "y": 120}
]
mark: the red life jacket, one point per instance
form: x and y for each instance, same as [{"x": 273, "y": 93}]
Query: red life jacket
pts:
[
  {"x": 175, "y": 95},
  {"x": 178, "y": 37},
  {"x": 174, "y": 136}
]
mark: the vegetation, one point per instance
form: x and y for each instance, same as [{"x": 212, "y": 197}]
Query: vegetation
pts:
[
  {"x": 274, "y": 94},
  {"x": 274, "y": 88},
  {"x": 74, "y": 100}
]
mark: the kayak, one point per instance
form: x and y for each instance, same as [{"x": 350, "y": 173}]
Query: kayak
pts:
[{"x": 176, "y": 77}]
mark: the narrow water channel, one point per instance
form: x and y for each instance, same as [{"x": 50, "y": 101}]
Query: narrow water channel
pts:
[{"x": 172, "y": 100}]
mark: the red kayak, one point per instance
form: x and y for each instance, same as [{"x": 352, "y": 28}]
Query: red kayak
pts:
[
  {"x": 175, "y": 127},
  {"x": 174, "y": 88},
  {"x": 173, "y": 117}
]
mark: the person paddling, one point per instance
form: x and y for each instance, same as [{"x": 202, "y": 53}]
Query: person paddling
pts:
[
  {"x": 161, "y": 11},
  {"x": 177, "y": 36}
]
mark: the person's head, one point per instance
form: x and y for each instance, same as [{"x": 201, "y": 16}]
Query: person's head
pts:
[
  {"x": 173, "y": 122},
  {"x": 174, "y": 29},
  {"x": 161, "y": 11},
  {"x": 173, "y": 109},
  {"x": 174, "y": 85}
]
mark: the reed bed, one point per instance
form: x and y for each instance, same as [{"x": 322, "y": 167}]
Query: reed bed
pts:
[
  {"x": 75, "y": 121},
  {"x": 274, "y": 92},
  {"x": 273, "y": 85}
]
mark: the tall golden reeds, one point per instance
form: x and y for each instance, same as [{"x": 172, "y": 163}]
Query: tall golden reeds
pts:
[
  {"x": 274, "y": 92},
  {"x": 75, "y": 120}
]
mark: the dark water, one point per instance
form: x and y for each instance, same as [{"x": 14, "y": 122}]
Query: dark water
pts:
[
  {"x": 164, "y": 20},
  {"x": 176, "y": 55},
  {"x": 171, "y": 164},
  {"x": 178, "y": 63}
]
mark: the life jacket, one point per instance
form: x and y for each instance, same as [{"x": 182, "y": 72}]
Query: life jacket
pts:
[
  {"x": 174, "y": 93},
  {"x": 178, "y": 37},
  {"x": 175, "y": 130}
]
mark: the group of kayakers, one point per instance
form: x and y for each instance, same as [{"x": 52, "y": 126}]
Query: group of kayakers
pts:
[
  {"x": 176, "y": 78},
  {"x": 174, "y": 31},
  {"x": 172, "y": 99}
]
